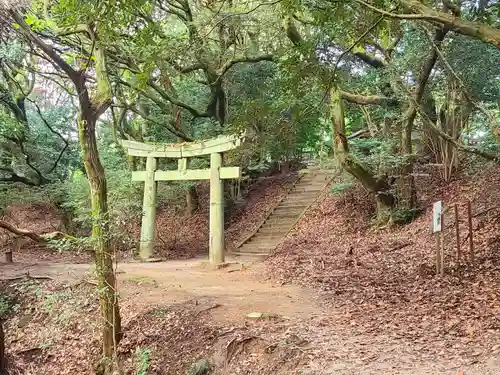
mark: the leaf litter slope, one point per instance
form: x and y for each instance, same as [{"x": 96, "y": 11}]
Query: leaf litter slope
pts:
[
  {"x": 179, "y": 311},
  {"x": 388, "y": 308}
]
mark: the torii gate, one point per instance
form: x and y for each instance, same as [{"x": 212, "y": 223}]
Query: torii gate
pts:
[{"x": 216, "y": 174}]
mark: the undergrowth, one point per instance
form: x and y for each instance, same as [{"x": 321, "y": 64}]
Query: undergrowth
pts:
[{"x": 142, "y": 359}]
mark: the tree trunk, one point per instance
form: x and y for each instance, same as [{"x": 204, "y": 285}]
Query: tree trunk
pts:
[
  {"x": 192, "y": 202},
  {"x": 379, "y": 187},
  {"x": 429, "y": 139},
  {"x": 89, "y": 112},
  {"x": 453, "y": 118},
  {"x": 104, "y": 252},
  {"x": 3, "y": 358},
  {"x": 407, "y": 193}
]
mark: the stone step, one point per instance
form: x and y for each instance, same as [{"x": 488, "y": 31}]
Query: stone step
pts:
[
  {"x": 248, "y": 248},
  {"x": 301, "y": 196},
  {"x": 306, "y": 189},
  {"x": 266, "y": 239},
  {"x": 289, "y": 205},
  {"x": 253, "y": 256},
  {"x": 298, "y": 201},
  {"x": 293, "y": 209},
  {"x": 277, "y": 228},
  {"x": 285, "y": 214},
  {"x": 272, "y": 230},
  {"x": 295, "y": 202},
  {"x": 289, "y": 209},
  {"x": 281, "y": 233},
  {"x": 279, "y": 220},
  {"x": 279, "y": 223},
  {"x": 263, "y": 244}
]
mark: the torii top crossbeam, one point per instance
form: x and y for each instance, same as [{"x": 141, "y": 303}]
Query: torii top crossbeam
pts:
[{"x": 183, "y": 150}]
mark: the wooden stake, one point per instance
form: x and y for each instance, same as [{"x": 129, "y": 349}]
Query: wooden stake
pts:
[
  {"x": 8, "y": 256},
  {"x": 471, "y": 239},
  {"x": 438, "y": 255},
  {"x": 441, "y": 234},
  {"x": 216, "y": 245},
  {"x": 149, "y": 211},
  {"x": 457, "y": 233}
]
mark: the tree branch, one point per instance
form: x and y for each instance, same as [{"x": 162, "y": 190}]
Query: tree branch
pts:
[
  {"x": 32, "y": 235},
  {"x": 370, "y": 59},
  {"x": 172, "y": 130},
  {"x": 49, "y": 51},
  {"x": 489, "y": 116},
  {"x": 362, "y": 99},
  {"x": 41, "y": 177},
  {"x": 435, "y": 128},
  {"x": 174, "y": 101},
  {"x": 53, "y": 131},
  {"x": 420, "y": 11},
  {"x": 243, "y": 59}
]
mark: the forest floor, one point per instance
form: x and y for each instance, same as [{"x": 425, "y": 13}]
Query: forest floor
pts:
[
  {"x": 341, "y": 298},
  {"x": 182, "y": 311}
]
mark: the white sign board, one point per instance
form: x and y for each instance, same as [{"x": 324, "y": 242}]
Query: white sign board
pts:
[{"x": 436, "y": 216}]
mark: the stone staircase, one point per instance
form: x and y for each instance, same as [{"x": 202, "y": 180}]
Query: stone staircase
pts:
[{"x": 285, "y": 215}]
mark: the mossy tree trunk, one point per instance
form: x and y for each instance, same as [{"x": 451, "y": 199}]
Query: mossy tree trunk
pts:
[
  {"x": 104, "y": 252},
  {"x": 379, "y": 187},
  {"x": 90, "y": 109}
]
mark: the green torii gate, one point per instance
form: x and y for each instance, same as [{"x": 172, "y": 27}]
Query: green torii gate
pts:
[{"x": 216, "y": 174}]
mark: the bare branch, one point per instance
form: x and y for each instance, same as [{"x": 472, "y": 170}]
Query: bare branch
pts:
[
  {"x": 370, "y": 59},
  {"x": 174, "y": 101},
  {"x": 49, "y": 51},
  {"x": 53, "y": 131},
  {"x": 362, "y": 99},
  {"x": 243, "y": 59},
  {"x": 41, "y": 177},
  {"x": 171, "y": 129},
  {"x": 32, "y": 235}
]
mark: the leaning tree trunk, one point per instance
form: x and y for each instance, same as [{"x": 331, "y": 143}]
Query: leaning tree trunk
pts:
[
  {"x": 379, "y": 187},
  {"x": 100, "y": 232}
]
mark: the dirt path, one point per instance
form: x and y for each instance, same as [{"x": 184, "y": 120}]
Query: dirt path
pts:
[
  {"x": 237, "y": 290},
  {"x": 333, "y": 349}
]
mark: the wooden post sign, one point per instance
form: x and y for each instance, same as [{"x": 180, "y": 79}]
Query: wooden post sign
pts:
[
  {"x": 216, "y": 174},
  {"x": 437, "y": 227}
]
